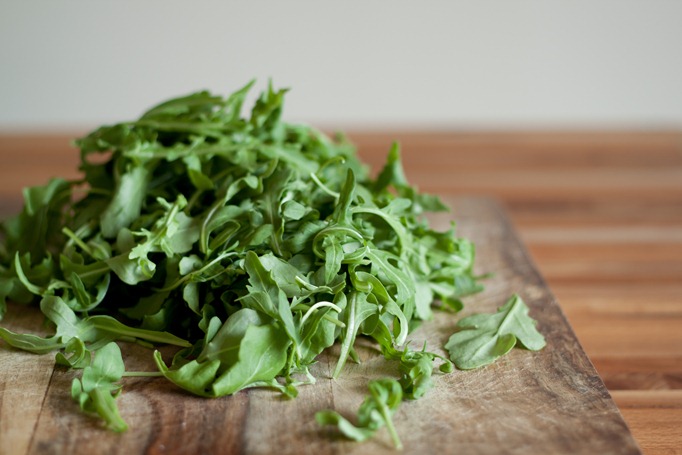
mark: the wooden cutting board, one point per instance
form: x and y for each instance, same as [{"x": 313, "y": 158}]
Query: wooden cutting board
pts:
[{"x": 551, "y": 401}]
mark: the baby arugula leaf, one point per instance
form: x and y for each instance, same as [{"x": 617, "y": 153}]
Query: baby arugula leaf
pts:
[
  {"x": 262, "y": 356},
  {"x": 97, "y": 390},
  {"x": 385, "y": 396},
  {"x": 245, "y": 352},
  {"x": 483, "y": 338},
  {"x": 356, "y": 312},
  {"x": 126, "y": 204},
  {"x": 31, "y": 343}
]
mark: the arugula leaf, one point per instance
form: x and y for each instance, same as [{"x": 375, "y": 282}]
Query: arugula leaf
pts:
[
  {"x": 31, "y": 343},
  {"x": 483, "y": 338},
  {"x": 97, "y": 390},
  {"x": 126, "y": 205},
  {"x": 385, "y": 396},
  {"x": 356, "y": 312},
  {"x": 243, "y": 353},
  {"x": 262, "y": 356}
]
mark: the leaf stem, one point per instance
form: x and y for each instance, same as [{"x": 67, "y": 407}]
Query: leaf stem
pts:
[
  {"x": 71, "y": 235},
  {"x": 324, "y": 187},
  {"x": 326, "y": 317},
  {"x": 386, "y": 414},
  {"x": 323, "y": 303},
  {"x": 148, "y": 335}
]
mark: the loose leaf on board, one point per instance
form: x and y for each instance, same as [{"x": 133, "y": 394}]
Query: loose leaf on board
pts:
[
  {"x": 97, "y": 389},
  {"x": 385, "y": 396},
  {"x": 483, "y": 338}
]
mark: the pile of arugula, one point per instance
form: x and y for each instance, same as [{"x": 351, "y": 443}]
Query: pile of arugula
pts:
[{"x": 250, "y": 243}]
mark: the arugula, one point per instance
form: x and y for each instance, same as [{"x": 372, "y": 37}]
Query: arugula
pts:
[
  {"x": 385, "y": 396},
  {"x": 96, "y": 391},
  {"x": 483, "y": 338},
  {"x": 250, "y": 243}
]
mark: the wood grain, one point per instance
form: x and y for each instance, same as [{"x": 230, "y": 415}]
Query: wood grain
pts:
[
  {"x": 551, "y": 400},
  {"x": 655, "y": 416},
  {"x": 24, "y": 379}
]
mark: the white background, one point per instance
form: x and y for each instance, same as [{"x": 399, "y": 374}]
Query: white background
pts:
[{"x": 350, "y": 64}]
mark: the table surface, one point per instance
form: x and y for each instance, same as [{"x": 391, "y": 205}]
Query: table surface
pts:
[{"x": 601, "y": 213}]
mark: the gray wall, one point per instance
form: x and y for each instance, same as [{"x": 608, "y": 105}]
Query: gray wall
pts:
[{"x": 350, "y": 64}]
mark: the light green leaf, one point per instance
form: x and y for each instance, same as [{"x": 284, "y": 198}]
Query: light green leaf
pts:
[
  {"x": 482, "y": 338},
  {"x": 97, "y": 390},
  {"x": 126, "y": 205},
  {"x": 385, "y": 396},
  {"x": 262, "y": 356}
]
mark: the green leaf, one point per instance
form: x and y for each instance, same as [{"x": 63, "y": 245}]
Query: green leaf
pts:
[
  {"x": 24, "y": 280},
  {"x": 334, "y": 255},
  {"x": 241, "y": 355},
  {"x": 263, "y": 290},
  {"x": 357, "y": 311},
  {"x": 195, "y": 377},
  {"x": 128, "y": 270},
  {"x": 224, "y": 345},
  {"x": 126, "y": 205},
  {"x": 107, "y": 325},
  {"x": 283, "y": 274},
  {"x": 31, "y": 343},
  {"x": 67, "y": 323},
  {"x": 317, "y": 333},
  {"x": 262, "y": 356},
  {"x": 167, "y": 236},
  {"x": 385, "y": 396},
  {"x": 482, "y": 338},
  {"x": 96, "y": 391},
  {"x": 382, "y": 263},
  {"x": 200, "y": 180},
  {"x": 292, "y": 210},
  {"x": 346, "y": 428}
]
